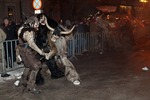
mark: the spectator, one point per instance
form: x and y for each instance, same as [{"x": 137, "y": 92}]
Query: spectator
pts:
[
  {"x": 9, "y": 28},
  {"x": 79, "y": 38},
  {"x": 68, "y": 24}
]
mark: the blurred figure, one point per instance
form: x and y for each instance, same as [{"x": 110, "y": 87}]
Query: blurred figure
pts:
[
  {"x": 127, "y": 33},
  {"x": 2, "y": 39}
]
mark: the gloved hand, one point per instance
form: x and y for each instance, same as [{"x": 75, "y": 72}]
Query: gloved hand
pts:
[{"x": 47, "y": 56}]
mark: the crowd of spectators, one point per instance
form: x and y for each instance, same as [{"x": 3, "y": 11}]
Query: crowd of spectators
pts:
[{"x": 112, "y": 32}]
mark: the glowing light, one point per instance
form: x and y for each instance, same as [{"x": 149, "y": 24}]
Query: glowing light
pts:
[{"x": 143, "y": 1}]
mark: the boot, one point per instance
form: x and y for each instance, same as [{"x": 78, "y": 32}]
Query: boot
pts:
[
  {"x": 55, "y": 72},
  {"x": 31, "y": 86},
  {"x": 39, "y": 79}
]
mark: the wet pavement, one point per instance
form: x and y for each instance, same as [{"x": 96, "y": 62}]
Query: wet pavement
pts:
[{"x": 113, "y": 75}]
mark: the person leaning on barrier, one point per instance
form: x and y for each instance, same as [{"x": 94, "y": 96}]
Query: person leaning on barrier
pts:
[{"x": 28, "y": 51}]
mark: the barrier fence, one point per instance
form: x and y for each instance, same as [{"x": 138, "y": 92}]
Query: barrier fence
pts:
[{"x": 78, "y": 44}]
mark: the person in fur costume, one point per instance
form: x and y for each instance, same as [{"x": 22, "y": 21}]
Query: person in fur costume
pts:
[
  {"x": 28, "y": 51},
  {"x": 59, "y": 35}
]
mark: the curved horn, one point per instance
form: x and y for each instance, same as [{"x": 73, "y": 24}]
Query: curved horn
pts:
[
  {"x": 67, "y": 32},
  {"x": 50, "y": 28},
  {"x": 62, "y": 32}
]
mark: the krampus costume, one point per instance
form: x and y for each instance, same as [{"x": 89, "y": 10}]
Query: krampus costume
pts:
[
  {"x": 28, "y": 51},
  {"x": 58, "y": 35}
]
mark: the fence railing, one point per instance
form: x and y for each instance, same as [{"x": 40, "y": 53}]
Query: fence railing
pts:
[{"x": 79, "y": 43}]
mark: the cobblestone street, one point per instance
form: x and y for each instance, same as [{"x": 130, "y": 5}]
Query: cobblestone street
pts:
[{"x": 115, "y": 75}]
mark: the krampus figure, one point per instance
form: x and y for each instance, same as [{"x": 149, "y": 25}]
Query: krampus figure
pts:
[
  {"x": 28, "y": 51},
  {"x": 58, "y": 35}
]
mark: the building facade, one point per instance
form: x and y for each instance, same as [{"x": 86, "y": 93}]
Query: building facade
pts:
[
  {"x": 19, "y": 10},
  {"x": 11, "y": 9}
]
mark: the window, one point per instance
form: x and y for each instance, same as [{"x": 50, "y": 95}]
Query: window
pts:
[{"x": 11, "y": 12}]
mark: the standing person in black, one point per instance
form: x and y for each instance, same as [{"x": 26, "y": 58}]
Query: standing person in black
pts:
[
  {"x": 53, "y": 31},
  {"x": 42, "y": 43},
  {"x": 9, "y": 28}
]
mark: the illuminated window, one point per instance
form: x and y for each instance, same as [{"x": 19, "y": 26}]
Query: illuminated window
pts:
[{"x": 11, "y": 11}]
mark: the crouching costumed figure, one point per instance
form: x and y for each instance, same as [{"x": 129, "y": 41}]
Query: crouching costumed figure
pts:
[
  {"x": 58, "y": 34},
  {"x": 28, "y": 51}
]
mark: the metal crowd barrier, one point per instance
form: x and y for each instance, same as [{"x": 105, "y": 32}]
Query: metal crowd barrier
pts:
[
  {"x": 8, "y": 56},
  {"x": 81, "y": 42}
]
